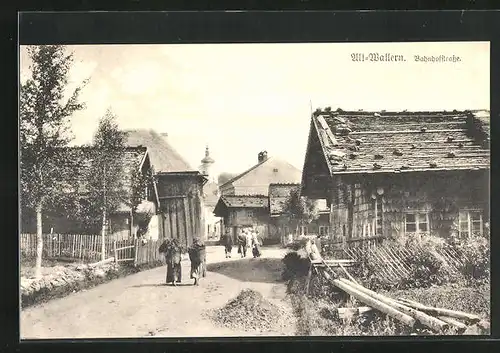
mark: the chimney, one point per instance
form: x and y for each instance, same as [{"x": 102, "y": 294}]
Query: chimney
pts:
[{"x": 262, "y": 156}]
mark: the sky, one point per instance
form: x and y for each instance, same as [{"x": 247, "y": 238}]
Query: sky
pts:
[{"x": 240, "y": 99}]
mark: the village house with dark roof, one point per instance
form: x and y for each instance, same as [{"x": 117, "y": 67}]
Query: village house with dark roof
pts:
[
  {"x": 396, "y": 174},
  {"x": 243, "y": 211},
  {"x": 120, "y": 220}
]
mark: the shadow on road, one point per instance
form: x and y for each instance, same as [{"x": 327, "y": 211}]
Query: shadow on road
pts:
[
  {"x": 264, "y": 270},
  {"x": 162, "y": 285}
]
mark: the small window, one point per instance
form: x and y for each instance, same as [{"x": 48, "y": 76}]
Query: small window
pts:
[
  {"x": 323, "y": 230},
  {"x": 416, "y": 223},
  {"x": 470, "y": 223},
  {"x": 275, "y": 170},
  {"x": 249, "y": 213},
  {"x": 303, "y": 230}
]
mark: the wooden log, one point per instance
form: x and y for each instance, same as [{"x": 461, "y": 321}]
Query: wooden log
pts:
[
  {"x": 108, "y": 260},
  {"x": 461, "y": 327},
  {"x": 431, "y": 322},
  {"x": 347, "y": 274},
  {"x": 354, "y": 311},
  {"x": 374, "y": 303},
  {"x": 442, "y": 312}
]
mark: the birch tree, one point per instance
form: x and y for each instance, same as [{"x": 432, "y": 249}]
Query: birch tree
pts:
[
  {"x": 105, "y": 178},
  {"x": 44, "y": 132}
]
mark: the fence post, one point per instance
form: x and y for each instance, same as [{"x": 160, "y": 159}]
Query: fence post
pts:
[
  {"x": 114, "y": 250},
  {"x": 136, "y": 250}
]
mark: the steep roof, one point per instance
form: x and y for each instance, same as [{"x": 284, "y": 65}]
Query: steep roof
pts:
[
  {"x": 164, "y": 158},
  {"x": 81, "y": 158},
  {"x": 291, "y": 176},
  {"x": 373, "y": 142},
  {"x": 279, "y": 195}
]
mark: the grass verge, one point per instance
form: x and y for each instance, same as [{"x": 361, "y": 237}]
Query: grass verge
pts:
[{"x": 45, "y": 294}]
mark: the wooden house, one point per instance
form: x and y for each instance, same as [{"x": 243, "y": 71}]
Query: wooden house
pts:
[
  {"x": 244, "y": 211},
  {"x": 120, "y": 219},
  {"x": 396, "y": 174},
  {"x": 177, "y": 186},
  {"x": 280, "y": 225},
  {"x": 256, "y": 180}
]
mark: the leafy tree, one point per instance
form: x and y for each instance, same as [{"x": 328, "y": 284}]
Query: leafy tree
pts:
[
  {"x": 104, "y": 179},
  {"x": 225, "y": 177},
  {"x": 300, "y": 210},
  {"x": 44, "y": 129}
]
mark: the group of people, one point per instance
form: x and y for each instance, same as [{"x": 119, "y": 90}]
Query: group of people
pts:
[
  {"x": 172, "y": 251},
  {"x": 247, "y": 239}
]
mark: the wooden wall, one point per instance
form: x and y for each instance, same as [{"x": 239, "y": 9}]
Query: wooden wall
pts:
[
  {"x": 238, "y": 217},
  {"x": 441, "y": 195},
  {"x": 181, "y": 208}
]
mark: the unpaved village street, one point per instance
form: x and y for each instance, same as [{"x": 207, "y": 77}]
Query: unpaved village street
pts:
[{"x": 141, "y": 305}]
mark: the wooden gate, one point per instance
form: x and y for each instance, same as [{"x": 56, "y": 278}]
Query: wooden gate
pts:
[{"x": 124, "y": 250}]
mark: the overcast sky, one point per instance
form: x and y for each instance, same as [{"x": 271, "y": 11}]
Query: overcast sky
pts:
[{"x": 243, "y": 98}]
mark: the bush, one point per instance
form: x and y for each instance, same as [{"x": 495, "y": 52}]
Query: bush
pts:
[
  {"x": 296, "y": 265},
  {"x": 475, "y": 257}
]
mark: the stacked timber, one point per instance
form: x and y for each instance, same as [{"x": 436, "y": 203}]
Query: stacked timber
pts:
[{"x": 409, "y": 312}]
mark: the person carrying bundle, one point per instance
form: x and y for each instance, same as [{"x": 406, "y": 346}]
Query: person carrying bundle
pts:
[
  {"x": 172, "y": 252},
  {"x": 197, "y": 256},
  {"x": 242, "y": 244}
]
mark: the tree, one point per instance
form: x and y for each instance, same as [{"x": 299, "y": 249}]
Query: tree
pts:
[
  {"x": 300, "y": 210},
  {"x": 104, "y": 180},
  {"x": 44, "y": 131}
]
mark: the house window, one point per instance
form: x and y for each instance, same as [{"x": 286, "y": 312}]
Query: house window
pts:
[
  {"x": 303, "y": 230},
  {"x": 323, "y": 230},
  {"x": 275, "y": 170},
  {"x": 416, "y": 222},
  {"x": 470, "y": 223},
  {"x": 250, "y": 214}
]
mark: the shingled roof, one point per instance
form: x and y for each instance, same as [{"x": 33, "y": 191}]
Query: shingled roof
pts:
[
  {"x": 164, "y": 158},
  {"x": 382, "y": 142},
  {"x": 237, "y": 201},
  {"x": 81, "y": 158}
]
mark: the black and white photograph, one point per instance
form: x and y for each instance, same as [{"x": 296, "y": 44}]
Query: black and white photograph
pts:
[{"x": 254, "y": 189}]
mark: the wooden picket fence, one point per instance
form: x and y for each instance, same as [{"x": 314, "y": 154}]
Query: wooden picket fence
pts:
[
  {"x": 389, "y": 258},
  {"x": 87, "y": 248},
  {"x": 75, "y": 246}
]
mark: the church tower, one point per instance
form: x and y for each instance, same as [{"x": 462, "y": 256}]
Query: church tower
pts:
[{"x": 206, "y": 164}]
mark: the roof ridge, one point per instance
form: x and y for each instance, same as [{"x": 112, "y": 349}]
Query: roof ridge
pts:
[{"x": 239, "y": 176}]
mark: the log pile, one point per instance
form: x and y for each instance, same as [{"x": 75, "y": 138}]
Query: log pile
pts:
[{"x": 409, "y": 312}]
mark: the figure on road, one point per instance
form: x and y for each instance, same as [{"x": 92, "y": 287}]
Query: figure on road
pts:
[
  {"x": 197, "y": 256},
  {"x": 256, "y": 244},
  {"x": 228, "y": 245},
  {"x": 172, "y": 251},
  {"x": 242, "y": 244},
  {"x": 248, "y": 241}
]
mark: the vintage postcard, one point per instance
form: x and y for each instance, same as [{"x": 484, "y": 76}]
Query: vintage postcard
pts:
[{"x": 230, "y": 190}]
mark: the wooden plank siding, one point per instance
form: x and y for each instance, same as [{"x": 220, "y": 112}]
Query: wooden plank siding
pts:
[
  {"x": 370, "y": 205},
  {"x": 181, "y": 206}
]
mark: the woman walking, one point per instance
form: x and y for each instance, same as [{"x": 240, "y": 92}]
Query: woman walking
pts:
[
  {"x": 242, "y": 244},
  {"x": 256, "y": 244},
  {"x": 248, "y": 241},
  {"x": 197, "y": 256},
  {"x": 228, "y": 245},
  {"x": 172, "y": 251}
]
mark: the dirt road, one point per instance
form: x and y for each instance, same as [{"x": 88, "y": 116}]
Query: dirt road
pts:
[{"x": 141, "y": 305}]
